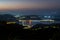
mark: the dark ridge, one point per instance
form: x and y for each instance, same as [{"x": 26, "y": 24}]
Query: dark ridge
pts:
[
  {"x": 16, "y": 32},
  {"x": 7, "y": 17},
  {"x": 32, "y": 17}
]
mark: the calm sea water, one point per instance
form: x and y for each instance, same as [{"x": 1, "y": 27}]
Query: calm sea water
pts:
[{"x": 32, "y": 12}]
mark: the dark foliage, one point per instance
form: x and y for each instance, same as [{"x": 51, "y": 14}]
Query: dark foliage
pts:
[{"x": 16, "y": 32}]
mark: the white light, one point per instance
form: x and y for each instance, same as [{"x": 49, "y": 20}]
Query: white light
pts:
[
  {"x": 45, "y": 16},
  {"x": 47, "y": 20},
  {"x": 49, "y": 16}
]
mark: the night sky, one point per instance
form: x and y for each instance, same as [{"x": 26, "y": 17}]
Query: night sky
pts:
[{"x": 28, "y": 4}]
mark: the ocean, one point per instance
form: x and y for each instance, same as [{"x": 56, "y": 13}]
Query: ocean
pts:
[{"x": 32, "y": 12}]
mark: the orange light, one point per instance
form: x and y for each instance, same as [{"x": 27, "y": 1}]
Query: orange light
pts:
[{"x": 10, "y": 22}]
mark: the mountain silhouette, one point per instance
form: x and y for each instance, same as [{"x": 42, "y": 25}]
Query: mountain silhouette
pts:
[
  {"x": 30, "y": 17},
  {"x": 7, "y": 17}
]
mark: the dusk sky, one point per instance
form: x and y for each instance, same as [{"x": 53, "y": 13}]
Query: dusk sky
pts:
[{"x": 29, "y": 4}]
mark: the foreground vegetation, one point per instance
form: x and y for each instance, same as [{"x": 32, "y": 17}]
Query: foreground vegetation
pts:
[{"x": 40, "y": 32}]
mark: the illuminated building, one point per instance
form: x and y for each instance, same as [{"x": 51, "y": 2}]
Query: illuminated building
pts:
[
  {"x": 32, "y": 20},
  {"x": 29, "y": 20}
]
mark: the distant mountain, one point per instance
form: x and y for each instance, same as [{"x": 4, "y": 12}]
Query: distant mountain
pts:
[
  {"x": 30, "y": 17},
  {"x": 57, "y": 17},
  {"x": 7, "y": 17},
  {"x": 39, "y": 17}
]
